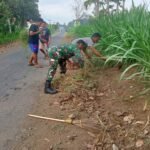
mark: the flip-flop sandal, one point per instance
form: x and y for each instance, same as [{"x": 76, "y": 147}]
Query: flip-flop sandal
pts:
[{"x": 30, "y": 64}]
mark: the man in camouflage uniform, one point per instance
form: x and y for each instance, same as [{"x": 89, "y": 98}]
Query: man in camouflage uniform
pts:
[{"x": 59, "y": 56}]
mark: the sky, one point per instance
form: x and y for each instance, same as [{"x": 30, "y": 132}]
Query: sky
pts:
[{"x": 61, "y": 10}]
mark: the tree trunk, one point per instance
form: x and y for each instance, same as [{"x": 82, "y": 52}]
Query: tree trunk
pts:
[
  {"x": 117, "y": 7},
  {"x": 107, "y": 3},
  {"x": 123, "y": 5},
  {"x": 9, "y": 25},
  {"x": 97, "y": 7}
]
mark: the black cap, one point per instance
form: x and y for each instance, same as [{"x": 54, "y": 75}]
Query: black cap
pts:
[
  {"x": 97, "y": 34},
  {"x": 83, "y": 43},
  {"x": 39, "y": 20}
]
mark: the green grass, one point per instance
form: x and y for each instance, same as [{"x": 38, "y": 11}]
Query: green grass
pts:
[
  {"x": 53, "y": 28},
  {"x": 126, "y": 39},
  {"x": 81, "y": 30},
  {"x": 23, "y": 36},
  {"x": 8, "y": 38}
]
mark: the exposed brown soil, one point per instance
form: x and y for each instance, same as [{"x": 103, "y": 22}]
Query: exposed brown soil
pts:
[
  {"x": 7, "y": 47},
  {"x": 118, "y": 107}
]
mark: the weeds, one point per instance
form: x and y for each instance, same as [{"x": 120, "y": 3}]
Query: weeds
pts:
[{"x": 8, "y": 38}]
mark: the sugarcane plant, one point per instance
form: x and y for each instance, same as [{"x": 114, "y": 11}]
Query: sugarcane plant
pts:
[{"x": 125, "y": 39}]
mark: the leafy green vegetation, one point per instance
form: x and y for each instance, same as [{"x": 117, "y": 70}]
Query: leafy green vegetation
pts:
[
  {"x": 81, "y": 30},
  {"x": 125, "y": 38},
  {"x": 4, "y": 39},
  {"x": 53, "y": 28},
  {"x": 13, "y": 16},
  {"x": 24, "y": 37}
]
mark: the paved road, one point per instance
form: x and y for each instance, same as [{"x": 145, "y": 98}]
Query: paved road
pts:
[{"x": 19, "y": 88}]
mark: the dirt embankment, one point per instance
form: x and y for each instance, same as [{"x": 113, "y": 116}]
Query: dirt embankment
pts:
[
  {"x": 118, "y": 108},
  {"x": 7, "y": 47}
]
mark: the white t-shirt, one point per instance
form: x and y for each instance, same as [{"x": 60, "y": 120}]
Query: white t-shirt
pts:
[
  {"x": 28, "y": 25},
  {"x": 87, "y": 40}
]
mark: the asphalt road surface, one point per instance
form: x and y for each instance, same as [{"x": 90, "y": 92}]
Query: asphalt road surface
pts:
[{"x": 19, "y": 89}]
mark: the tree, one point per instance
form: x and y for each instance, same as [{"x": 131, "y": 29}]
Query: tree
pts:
[
  {"x": 105, "y": 6},
  {"x": 22, "y": 9},
  {"x": 78, "y": 8},
  {"x": 96, "y": 3},
  {"x": 4, "y": 16},
  {"x": 3, "y": 9},
  {"x": 123, "y": 4},
  {"x": 99, "y": 5},
  {"x": 119, "y": 4},
  {"x": 14, "y": 13}
]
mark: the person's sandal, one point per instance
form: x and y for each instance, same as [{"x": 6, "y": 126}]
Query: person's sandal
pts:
[{"x": 31, "y": 64}]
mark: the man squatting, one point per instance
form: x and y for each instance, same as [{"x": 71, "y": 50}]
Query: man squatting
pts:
[{"x": 59, "y": 56}]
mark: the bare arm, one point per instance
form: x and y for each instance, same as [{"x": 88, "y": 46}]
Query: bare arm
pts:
[
  {"x": 31, "y": 33},
  {"x": 95, "y": 51},
  {"x": 88, "y": 56}
]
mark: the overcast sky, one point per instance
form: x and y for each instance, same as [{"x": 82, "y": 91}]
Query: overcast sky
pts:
[{"x": 60, "y": 10}]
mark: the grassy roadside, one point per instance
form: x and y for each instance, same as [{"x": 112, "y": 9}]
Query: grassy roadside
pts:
[
  {"x": 9, "y": 38},
  {"x": 125, "y": 39}
]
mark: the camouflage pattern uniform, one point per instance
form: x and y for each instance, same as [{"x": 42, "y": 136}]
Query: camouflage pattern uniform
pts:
[
  {"x": 58, "y": 56},
  {"x": 78, "y": 58}
]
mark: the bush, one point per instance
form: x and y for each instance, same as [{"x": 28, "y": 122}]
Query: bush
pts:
[{"x": 81, "y": 30}]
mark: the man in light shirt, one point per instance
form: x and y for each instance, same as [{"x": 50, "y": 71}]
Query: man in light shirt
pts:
[
  {"x": 78, "y": 60},
  {"x": 89, "y": 40}
]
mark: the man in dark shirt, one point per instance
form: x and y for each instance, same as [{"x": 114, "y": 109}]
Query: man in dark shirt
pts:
[{"x": 34, "y": 32}]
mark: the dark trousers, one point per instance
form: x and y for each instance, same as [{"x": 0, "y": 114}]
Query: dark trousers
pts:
[{"x": 62, "y": 63}]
